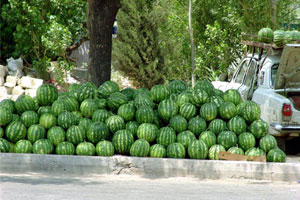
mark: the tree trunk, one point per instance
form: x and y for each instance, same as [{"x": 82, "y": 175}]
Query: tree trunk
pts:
[
  {"x": 192, "y": 43},
  {"x": 101, "y": 15}
]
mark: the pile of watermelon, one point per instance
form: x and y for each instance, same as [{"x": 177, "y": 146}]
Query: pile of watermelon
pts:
[
  {"x": 173, "y": 121},
  {"x": 278, "y": 37}
]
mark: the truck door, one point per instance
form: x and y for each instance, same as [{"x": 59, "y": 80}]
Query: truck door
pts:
[
  {"x": 249, "y": 81},
  {"x": 238, "y": 77}
]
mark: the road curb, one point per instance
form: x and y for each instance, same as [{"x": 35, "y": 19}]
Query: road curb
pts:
[{"x": 147, "y": 167}]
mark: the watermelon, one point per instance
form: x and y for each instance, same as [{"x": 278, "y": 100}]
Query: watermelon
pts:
[
  {"x": 183, "y": 98},
  {"x": 185, "y": 138},
  {"x": 267, "y": 143},
  {"x": 227, "y": 139},
  {"x": 66, "y": 120},
  {"x": 115, "y": 123},
  {"x": 219, "y": 93},
  {"x": 147, "y": 132},
  {"x": 279, "y": 37},
  {"x": 144, "y": 114},
  {"x": 254, "y": 152},
  {"x": 73, "y": 87},
  {"x": 265, "y": 35},
  {"x": 5, "y": 116},
  {"x": 107, "y": 88},
  {"x": 42, "y": 146},
  {"x": 246, "y": 141},
  {"x": 4, "y": 145},
  {"x": 11, "y": 147},
  {"x": 237, "y": 125},
  {"x": 70, "y": 102},
  {"x": 101, "y": 103},
  {"x": 88, "y": 107},
  {"x": 105, "y": 148},
  {"x": 23, "y": 146},
  {"x": 115, "y": 100},
  {"x": 29, "y": 118},
  {"x": 209, "y": 138},
  {"x": 143, "y": 100},
  {"x": 100, "y": 115},
  {"x": 213, "y": 153},
  {"x": 250, "y": 112},
  {"x": 199, "y": 97},
  {"x": 227, "y": 110},
  {"x": 97, "y": 131},
  {"x": 75, "y": 135},
  {"x": 159, "y": 93},
  {"x": 236, "y": 150},
  {"x": 1, "y": 132},
  {"x": 58, "y": 107},
  {"x": 127, "y": 112},
  {"x": 232, "y": 96},
  {"x": 217, "y": 126},
  {"x": 65, "y": 148},
  {"x": 197, "y": 125},
  {"x": 128, "y": 92},
  {"x": 8, "y": 104},
  {"x": 36, "y": 132},
  {"x": 216, "y": 100},
  {"x": 176, "y": 86},
  {"x": 259, "y": 128},
  {"x": 25, "y": 103},
  {"x": 187, "y": 110},
  {"x": 44, "y": 109},
  {"x": 85, "y": 123},
  {"x": 209, "y": 111},
  {"x": 48, "y": 120},
  {"x": 276, "y": 155},
  {"x": 85, "y": 149},
  {"x": 176, "y": 150},
  {"x": 46, "y": 94},
  {"x": 166, "y": 136},
  {"x": 167, "y": 109},
  {"x": 198, "y": 150},
  {"x": 122, "y": 141},
  {"x": 142, "y": 92},
  {"x": 132, "y": 127},
  {"x": 15, "y": 131},
  {"x": 140, "y": 148},
  {"x": 158, "y": 151},
  {"x": 205, "y": 85},
  {"x": 15, "y": 117},
  {"x": 56, "y": 135},
  {"x": 241, "y": 106},
  {"x": 178, "y": 123},
  {"x": 86, "y": 91}
]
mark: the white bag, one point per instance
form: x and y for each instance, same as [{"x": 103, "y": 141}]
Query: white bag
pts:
[{"x": 15, "y": 65}]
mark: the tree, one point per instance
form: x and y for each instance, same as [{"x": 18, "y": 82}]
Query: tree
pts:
[{"x": 101, "y": 15}]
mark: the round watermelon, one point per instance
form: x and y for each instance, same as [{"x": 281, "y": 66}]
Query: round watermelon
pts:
[
  {"x": 246, "y": 141},
  {"x": 143, "y": 100},
  {"x": 198, "y": 150},
  {"x": 65, "y": 148},
  {"x": 88, "y": 107},
  {"x": 29, "y": 118},
  {"x": 209, "y": 111},
  {"x": 101, "y": 103},
  {"x": 158, "y": 151},
  {"x": 166, "y": 136},
  {"x": 147, "y": 132},
  {"x": 213, "y": 153},
  {"x": 167, "y": 109},
  {"x": 144, "y": 114},
  {"x": 227, "y": 139},
  {"x": 122, "y": 141},
  {"x": 175, "y": 150},
  {"x": 199, "y": 97},
  {"x": 66, "y": 120},
  {"x": 237, "y": 125},
  {"x": 217, "y": 126},
  {"x": 205, "y": 85},
  {"x": 15, "y": 131},
  {"x": 217, "y": 100},
  {"x": 254, "y": 152},
  {"x": 105, "y": 148},
  {"x": 115, "y": 123},
  {"x": 159, "y": 93},
  {"x": 100, "y": 115},
  {"x": 132, "y": 127},
  {"x": 250, "y": 112},
  {"x": 115, "y": 100},
  {"x": 276, "y": 155},
  {"x": 85, "y": 123},
  {"x": 87, "y": 90},
  {"x": 107, "y": 88},
  {"x": 232, "y": 96},
  {"x": 265, "y": 35},
  {"x": 5, "y": 116},
  {"x": 75, "y": 135},
  {"x": 129, "y": 92},
  {"x": 183, "y": 98},
  {"x": 46, "y": 94},
  {"x": 209, "y": 138},
  {"x": 8, "y": 104},
  {"x": 176, "y": 86},
  {"x": 4, "y": 145},
  {"x": 36, "y": 132},
  {"x": 127, "y": 112},
  {"x": 236, "y": 150},
  {"x": 140, "y": 148},
  {"x": 42, "y": 146},
  {"x": 186, "y": 138},
  {"x": 56, "y": 135},
  {"x": 197, "y": 125},
  {"x": 267, "y": 143},
  {"x": 227, "y": 110},
  {"x": 85, "y": 149},
  {"x": 25, "y": 103},
  {"x": 47, "y": 120},
  {"x": 187, "y": 110},
  {"x": 279, "y": 37},
  {"x": 97, "y": 131},
  {"x": 219, "y": 93},
  {"x": 178, "y": 123},
  {"x": 44, "y": 109},
  {"x": 23, "y": 146},
  {"x": 259, "y": 128}
]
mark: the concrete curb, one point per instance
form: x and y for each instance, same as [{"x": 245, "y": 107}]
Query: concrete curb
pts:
[{"x": 147, "y": 167}]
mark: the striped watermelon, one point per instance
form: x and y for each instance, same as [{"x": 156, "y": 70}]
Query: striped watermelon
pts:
[
  {"x": 101, "y": 103},
  {"x": 159, "y": 93},
  {"x": 167, "y": 109},
  {"x": 77, "y": 116},
  {"x": 86, "y": 91},
  {"x": 147, "y": 132},
  {"x": 140, "y": 148},
  {"x": 5, "y": 116},
  {"x": 197, "y": 125},
  {"x": 105, "y": 148},
  {"x": 205, "y": 85},
  {"x": 217, "y": 126},
  {"x": 186, "y": 138},
  {"x": 42, "y": 146},
  {"x": 236, "y": 150},
  {"x": 276, "y": 155},
  {"x": 85, "y": 149},
  {"x": 65, "y": 148},
  {"x": 209, "y": 138},
  {"x": 216, "y": 100},
  {"x": 251, "y": 111},
  {"x": 100, "y": 115},
  {"x": 199, "y": 97},
  {"x": 129, "y": 92},
  {"x": 227, "y": 139},
  {"x": 4, "y": 145},
  {"x": 232, "y": 96},
  {"x": 279, "y": 37},
  {"x": 115, "y": 100},
  {"x": 122, "y": 141},
  {"x": 48, "y": 120},
  {"x": 144, "y": 114},
  {"x": 88, "y": 107},
  {"x": 36, "y": 132},
  {"x": 259, "y": 128},
  {"x": 71, "y": 103},
  {"x": 187, "y": 110},
  {"x": 29, "y": 118},
  {"x": 213, "y": 153},
  {"x": 246, "y": 141},
  {"x": 178, "y": 123},
  {"x": 58, "y": 107},
  {"x": 132, "y": 127},
  {"x": 23, "y": 146},
  {"x": 209, "y": 111},
  {"x": 241, "y": 106},
  {"x": 183, "y": 98},
  {"x": 166, "y": 136},
  {"x": 66, "y": 120},
  {"x": 143, "y": 100},
  {"x": 97, "y": 131},
  {"x": 267, "y": 143},
  {"x": 127, "y": 112},
  {"x": 265, "y": 35},
  {"x": 254, "y": 152},
  {"x": 74, "y": 86},
  {"x": 46, "y": 94},
  {"x": 237, "y": 125},
  {"x": 107, "y": 88},
  {"x": 8, "y": 104},
  {"x": 85, "y": 123},
  {"x": 175, "y": 150},
  {"x": 115, "y": 123},
  {"x": 56, "y": 135},
  {"x": 15, "y": 117},
  {"x": 25, "y": 103},
  {"x": 11, "y": 147},
  {"x": 219, "y": 93},
  {"x": 44, "y": 109},
  {"x": 75, "y": 135},
  {"x": 15, "y": 131},
  {"x": 142, "y": 92},
  {"x": 158, "y": 151},
  {"x": 227, "y": 110},
  {"x": 176, "y": 86},
  {"x": 198, "y": 150}
]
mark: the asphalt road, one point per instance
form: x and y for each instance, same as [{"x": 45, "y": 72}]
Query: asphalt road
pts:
[{"x": 34, "y": 186}]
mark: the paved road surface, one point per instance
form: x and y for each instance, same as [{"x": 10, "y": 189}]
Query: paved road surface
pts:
[{"x": 34, "y": 186}]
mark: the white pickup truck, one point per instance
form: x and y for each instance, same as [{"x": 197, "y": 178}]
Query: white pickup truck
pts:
[{"x": 271, "y": 78}]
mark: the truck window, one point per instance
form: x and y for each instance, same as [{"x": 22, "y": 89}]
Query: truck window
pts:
[
  {"x": 274, "y": 70},
  {"x": 242, "y": 71},
  {"x": 250, "y": 73}
]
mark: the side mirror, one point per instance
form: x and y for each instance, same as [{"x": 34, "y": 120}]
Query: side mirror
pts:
[{"x": 223, "y": 77}]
